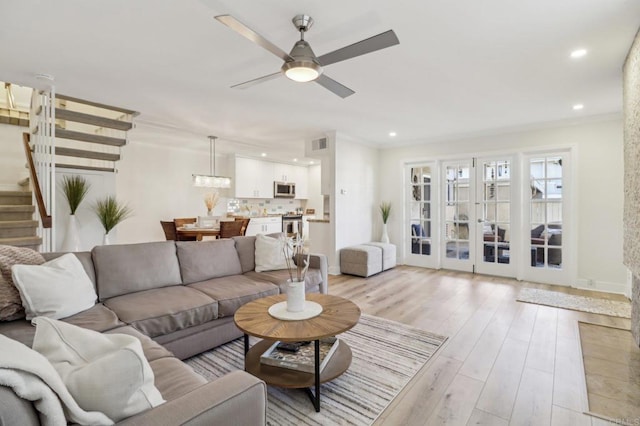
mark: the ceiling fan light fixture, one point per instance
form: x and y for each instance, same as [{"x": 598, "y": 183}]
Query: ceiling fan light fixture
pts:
[{"x": 301, "y": 71}]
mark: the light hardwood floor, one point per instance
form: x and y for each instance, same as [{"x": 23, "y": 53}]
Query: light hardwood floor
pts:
[{"x": 505, "y": 363}]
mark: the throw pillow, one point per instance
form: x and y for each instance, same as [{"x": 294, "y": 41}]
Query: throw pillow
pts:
[
  {"x": 10, "y": 302},
  {"x": 269, "y": 254},
  {"x": 107, "y": 373},
  {"x": 56, "y": 289}
]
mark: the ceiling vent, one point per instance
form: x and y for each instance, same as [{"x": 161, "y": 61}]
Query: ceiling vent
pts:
[{"x": 319, "y": 144}]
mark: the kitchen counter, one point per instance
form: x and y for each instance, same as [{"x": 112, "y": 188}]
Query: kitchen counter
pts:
[{"x": 319, "y": 220}]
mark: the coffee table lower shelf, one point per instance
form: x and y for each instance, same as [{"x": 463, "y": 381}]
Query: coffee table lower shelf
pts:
[{"x": 288, "y": 378}]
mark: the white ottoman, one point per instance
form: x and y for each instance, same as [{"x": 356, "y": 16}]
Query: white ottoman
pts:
[
  {"x": 362, "y": 260},
  {"x": 388, "y": 254}
]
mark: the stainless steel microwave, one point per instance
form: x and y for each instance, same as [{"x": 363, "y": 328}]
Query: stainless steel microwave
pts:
[{"x": 284, "y": 190}]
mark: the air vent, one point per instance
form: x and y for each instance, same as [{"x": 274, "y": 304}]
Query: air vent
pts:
[{"x": 319, "y": 144}]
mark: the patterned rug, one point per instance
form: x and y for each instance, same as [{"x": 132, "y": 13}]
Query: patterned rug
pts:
[
  {"x": 386, "y": 355},
  {"x": 577, "y": 303}
]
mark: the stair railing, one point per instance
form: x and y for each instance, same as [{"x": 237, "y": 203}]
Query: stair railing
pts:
[
  {"x": 45, "y": 218},
  {"x": 41, "y": 148}
]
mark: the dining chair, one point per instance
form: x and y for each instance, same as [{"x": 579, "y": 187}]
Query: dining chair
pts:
[
  {"x": 180, "y": 222},
  {"x": 230, "y": 229},
  {"x": 245, "y": 224},
  {"x": 169, "y": 229}
]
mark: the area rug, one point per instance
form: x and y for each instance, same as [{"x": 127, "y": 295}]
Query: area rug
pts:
[
  {"x": 611, "y": 362},
  {"x": 386, "y": 355},
  {"x": 577, "y": 303}
]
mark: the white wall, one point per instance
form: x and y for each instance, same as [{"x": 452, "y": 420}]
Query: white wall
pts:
[
  {"x": 599, "y": 188},
  {"x": 156, "y": 182},
  {"x": 355, "y": 201},
  {"x": 12, "y": 158}
]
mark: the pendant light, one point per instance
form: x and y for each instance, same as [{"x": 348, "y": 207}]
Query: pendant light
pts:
[{"x": 211, "y": 180}]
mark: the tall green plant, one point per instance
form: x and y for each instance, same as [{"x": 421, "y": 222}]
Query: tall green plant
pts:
[
  {"x": 385, "y": 211},
  {"x": 75, "y": 188},
  {"x": 111, "y": 212}
]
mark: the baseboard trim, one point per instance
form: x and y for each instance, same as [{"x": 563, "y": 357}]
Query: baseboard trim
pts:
[{"x": 603, "y": 286}]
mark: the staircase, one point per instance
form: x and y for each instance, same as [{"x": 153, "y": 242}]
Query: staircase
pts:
[{"x": 17, "y": 227}]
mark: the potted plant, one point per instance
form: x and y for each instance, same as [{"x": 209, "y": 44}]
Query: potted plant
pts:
[
  {"x": 75, "y": 189},
  {"x": 385, "y": 211},
  {"x": 110, "y": 212}
]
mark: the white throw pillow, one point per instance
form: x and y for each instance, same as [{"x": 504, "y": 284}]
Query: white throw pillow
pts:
[
  {"x": 56, "y": 289},
  {"x": 103, "y": 372},
  {"x": 269, "y": 254}
]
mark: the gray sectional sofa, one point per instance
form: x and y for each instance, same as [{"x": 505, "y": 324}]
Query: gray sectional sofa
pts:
[{"x": 178, "y": 299}]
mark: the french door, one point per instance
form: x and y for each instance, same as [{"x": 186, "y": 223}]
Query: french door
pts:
[{"x": 459, "y": 215}]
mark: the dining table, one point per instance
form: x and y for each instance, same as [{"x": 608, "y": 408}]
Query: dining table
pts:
[{"x": 198, "y": 232}]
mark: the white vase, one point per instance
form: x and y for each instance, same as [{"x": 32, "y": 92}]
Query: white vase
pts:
[
  {"x": 385, "y": 236},
  {"x": 71, "y": 240},
  {"x": 105, "y": 240},
  {"x": 295, "y": 296}
]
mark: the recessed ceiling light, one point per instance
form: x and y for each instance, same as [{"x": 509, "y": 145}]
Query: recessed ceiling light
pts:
[
  {"x": 311, "y": 162},
  {"x": 392, "y": 134},
  {"x": 578, "y": 53},
  {"x": 264, "y": 154},
  {"x": 578, "y": 107},
  {"x": 295, "y": 160}
]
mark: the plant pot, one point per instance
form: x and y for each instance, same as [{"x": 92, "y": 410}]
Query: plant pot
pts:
[
  {"x": 106, "y": 240},
  {"x": 295, "y": 296},
  {"x": 385, "y": 236},
  {"x": 71, "y": 240}
]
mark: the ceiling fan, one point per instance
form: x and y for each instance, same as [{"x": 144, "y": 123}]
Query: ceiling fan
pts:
[{"x": 301, "y": 64}]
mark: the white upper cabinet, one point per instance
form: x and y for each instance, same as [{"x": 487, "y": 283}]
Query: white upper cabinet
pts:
[{"x": 254, "y": 178}]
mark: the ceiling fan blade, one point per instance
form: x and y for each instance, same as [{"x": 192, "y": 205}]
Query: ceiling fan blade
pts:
[
  {"x": 248, "y": 33},
  {"x": 256, "y": 81},
  {"x": 371, "y": 44},
  {"x": 332, "y": 85}
]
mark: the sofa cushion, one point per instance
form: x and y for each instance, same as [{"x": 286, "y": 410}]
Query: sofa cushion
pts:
[
  {"x": 122, "y": 269},
  {"x": 85, "y": 259},
  {"x": 150, "y": 348},
  {"x": 173, "y": 378},
  {"x": 164, "y": 310},
  {"x": 312, "y": 280},
  {"x": 56, "y": 289},
  {"x": 104, "y": 373},
  {"x": 234, "y": 291},
  {"x": 246, "y": 248},
  {"x": 270, "y": 254},
  {"x": 10, "y": 302},
  {"x": 203, "y": 260}
]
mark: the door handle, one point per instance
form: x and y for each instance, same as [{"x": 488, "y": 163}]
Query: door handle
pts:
[{"x": 481, "y": 221}]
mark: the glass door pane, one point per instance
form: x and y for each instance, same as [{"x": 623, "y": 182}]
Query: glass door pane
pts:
[
  {"x": 457, "y": 186},
  {"x": 493, "y": 209},
  {"x": 546, "y": 199},
  {"x": 420, "y": 232}
]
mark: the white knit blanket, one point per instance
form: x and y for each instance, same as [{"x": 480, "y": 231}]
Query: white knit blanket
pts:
[{"x": 33, "y": 378}]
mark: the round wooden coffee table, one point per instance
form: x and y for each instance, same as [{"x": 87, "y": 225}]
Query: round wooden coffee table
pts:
[{"x": 338, "y": 315}]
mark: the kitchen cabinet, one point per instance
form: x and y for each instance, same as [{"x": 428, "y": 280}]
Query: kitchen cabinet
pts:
[
  {"x": 264, "y": 225},
  {"x": 301, "y": 178},
  {"x": 253, "y": 178}
]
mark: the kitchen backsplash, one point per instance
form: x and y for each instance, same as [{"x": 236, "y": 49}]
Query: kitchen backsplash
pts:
[{"x": 256, "y": 207}]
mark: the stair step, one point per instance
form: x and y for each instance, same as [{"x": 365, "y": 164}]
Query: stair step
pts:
[
  {"x": 88, "y": 137},
  {"x": 94, "y": 120},
  {"x": 78, "y": 167},
  {"x": 82, "y": 153},
  {"x": 18, "y": 228},
  {"x": 31, "y": 242},
  {"x": 15, "y": 197},
  {"x": 95, "y": 104},
  {"x": 16, "y": 212}
]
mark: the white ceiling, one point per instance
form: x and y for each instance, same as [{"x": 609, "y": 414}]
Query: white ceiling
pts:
[{"x": 462, "y": 67}]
